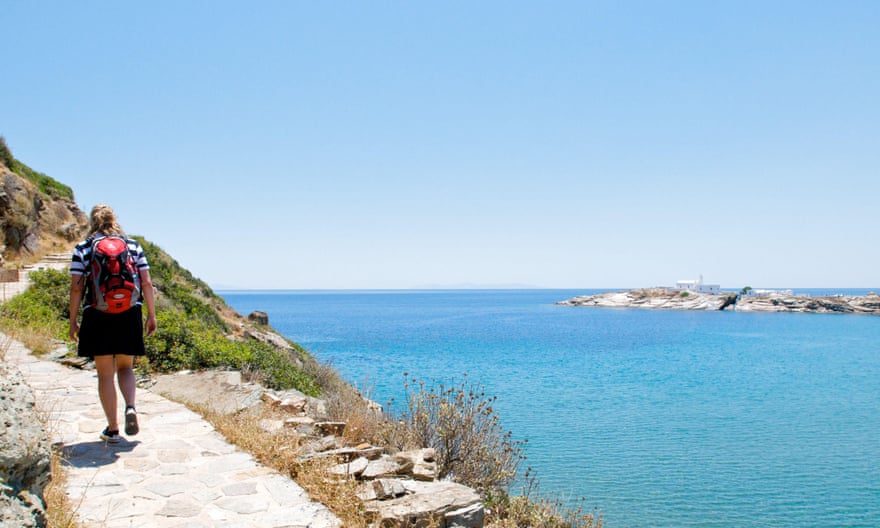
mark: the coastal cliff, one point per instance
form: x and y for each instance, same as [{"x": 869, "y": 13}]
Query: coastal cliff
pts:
[{"x": 671, "y": 299}]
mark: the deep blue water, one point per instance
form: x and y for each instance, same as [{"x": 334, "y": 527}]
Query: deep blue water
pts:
[{"x": 656, "y": 418}]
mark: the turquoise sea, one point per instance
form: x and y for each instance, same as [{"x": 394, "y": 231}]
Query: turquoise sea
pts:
[{"x": 655, "y": 418}]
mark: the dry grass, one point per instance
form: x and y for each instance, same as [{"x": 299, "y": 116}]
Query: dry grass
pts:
[
  {"x": 365, "y": 420},
  {"x": 523, "y": 512},
  {"x": 530, "y": 510},
  {"x": 60, "y": 511},
  {"x": 281, "y": 451},
  {"x": 36, "y": 340},
  {"x": 339, "y": 494}
]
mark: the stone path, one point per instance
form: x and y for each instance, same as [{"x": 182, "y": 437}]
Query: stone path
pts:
[{"x": 177, "y": 472}]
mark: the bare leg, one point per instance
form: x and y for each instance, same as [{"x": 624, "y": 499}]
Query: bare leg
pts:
[
  {"x": 125, "y": 375},
  {"x": 107, "y": 389}
]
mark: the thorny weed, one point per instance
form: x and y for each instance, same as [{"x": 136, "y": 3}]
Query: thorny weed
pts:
[
  {"x": 61, "y": 512},
  {"x": 460, "y": 422},
  {"x": 363, "y": 418}
]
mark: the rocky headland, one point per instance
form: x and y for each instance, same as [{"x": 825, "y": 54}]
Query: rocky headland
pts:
[
  {"x": 858, "y": 304},
  {"x": 673, "y": 299}
]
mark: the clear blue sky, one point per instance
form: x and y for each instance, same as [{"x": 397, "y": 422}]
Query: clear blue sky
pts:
[{"x": 411, "y": 144}]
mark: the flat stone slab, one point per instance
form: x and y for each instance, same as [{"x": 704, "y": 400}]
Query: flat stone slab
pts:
[
  {"x": 201, "y": 388},
  {"x": 423, "y": 499}
]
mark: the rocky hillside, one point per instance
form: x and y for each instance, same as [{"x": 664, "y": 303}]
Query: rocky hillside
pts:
[{"x": 38, "y": 215}]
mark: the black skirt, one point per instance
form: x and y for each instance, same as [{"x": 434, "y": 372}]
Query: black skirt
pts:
[{"x": 105, "y": 334}]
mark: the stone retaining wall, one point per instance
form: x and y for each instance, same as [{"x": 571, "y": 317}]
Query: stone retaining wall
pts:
[{"x": 24, "y": 453}]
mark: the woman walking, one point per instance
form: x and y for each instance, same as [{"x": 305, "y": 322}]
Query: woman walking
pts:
[{"x": 110, "y": 280}]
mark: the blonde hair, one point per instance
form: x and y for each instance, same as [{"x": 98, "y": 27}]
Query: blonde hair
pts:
[{"x": 104, "y": 221}]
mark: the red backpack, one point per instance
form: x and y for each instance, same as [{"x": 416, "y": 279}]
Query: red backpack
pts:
[{"x": 115, "y": 282}]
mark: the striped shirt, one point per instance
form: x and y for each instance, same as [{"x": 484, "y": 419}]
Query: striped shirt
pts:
[
  {"x": 81, "y": 262},
  {"x": 82, "y": 255}
]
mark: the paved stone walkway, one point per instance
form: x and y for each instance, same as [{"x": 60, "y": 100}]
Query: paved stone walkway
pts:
[{"x": 177, "y": 472}]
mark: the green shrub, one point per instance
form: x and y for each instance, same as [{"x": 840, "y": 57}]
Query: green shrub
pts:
[
  {"x": 182, "y": 342},
  {"x": 278, "y": 370},
  {"x": 171, "y": 347},
  {"x": 685, "y": 294}
]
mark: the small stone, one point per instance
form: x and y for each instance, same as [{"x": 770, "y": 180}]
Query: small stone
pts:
[
  {"x": 294, "y": 405},
  {"x": 321, "y": 444},
  {"x": 240, "y": 488},
  {"x": 180, "y": 508},
  {"x": 385, "y": 489},
  {"x": 383, "y": 467},
  {"x": 331, "y": 428},
  {"x": 271, "y": 426},
  {"x": 258, "y": 317},
  {"x": 297, "y": 421},
  {"x": 270, "y": 399},
  {"x": 472, "y": 516},
  {"x": 354, "y": 468}
]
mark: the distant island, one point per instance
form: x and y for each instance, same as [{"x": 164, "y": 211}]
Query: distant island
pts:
[{"x": 747, "y": 300}]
